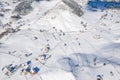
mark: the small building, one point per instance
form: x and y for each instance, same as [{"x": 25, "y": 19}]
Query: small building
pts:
[
  {"x": 45, "y": 56},
  {"x": 36, "y": 70},
  {"x": 29, "y": 62},
  {"x": 12, "y": 68},
  {"x": 27, "y": 55},
  {"x": 28, "y": 69}
]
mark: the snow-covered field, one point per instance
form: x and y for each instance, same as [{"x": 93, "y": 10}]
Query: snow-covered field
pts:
[{"x": 51, "y": 42}]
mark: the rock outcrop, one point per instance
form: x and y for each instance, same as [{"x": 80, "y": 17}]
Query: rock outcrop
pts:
[
  {"x": 74, "y": 6},
  {"x": 23, "y": 8}
]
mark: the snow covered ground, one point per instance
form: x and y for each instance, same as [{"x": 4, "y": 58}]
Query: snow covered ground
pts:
[{"x": 59, "y": 44}]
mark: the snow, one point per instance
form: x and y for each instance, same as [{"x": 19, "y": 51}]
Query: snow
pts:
[{"x": 76, "y": 48}]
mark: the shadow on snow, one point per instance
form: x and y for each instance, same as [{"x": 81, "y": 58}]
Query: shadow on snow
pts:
[{"x": 102, "y": 5}]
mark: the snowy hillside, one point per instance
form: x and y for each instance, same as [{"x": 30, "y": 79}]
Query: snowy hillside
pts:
[{"x": 59, "y": 40}]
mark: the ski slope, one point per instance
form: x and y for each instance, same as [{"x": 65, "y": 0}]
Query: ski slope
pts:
[{"x": 61, "y": 44}]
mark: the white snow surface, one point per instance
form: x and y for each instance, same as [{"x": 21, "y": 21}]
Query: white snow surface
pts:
[{"x": 81, "y": 48}]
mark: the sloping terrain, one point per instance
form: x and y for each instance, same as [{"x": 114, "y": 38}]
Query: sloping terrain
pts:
[{"x": 58, "y": 40}]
